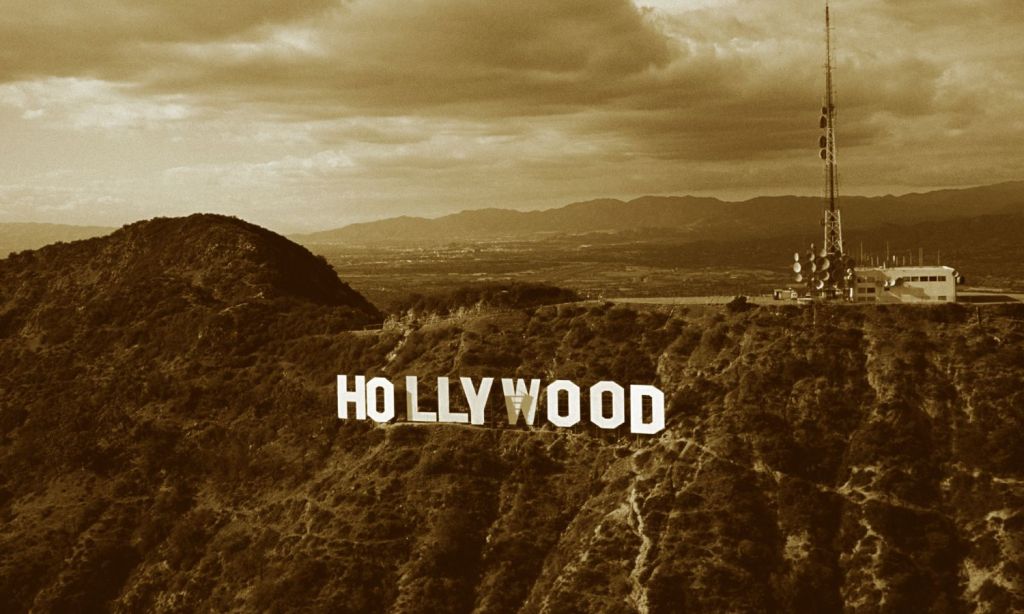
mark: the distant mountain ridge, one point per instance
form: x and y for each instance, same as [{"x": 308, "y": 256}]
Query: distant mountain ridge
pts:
[
  {"x": 701, "y": 217},
  {"x": 18, "y": 236}
]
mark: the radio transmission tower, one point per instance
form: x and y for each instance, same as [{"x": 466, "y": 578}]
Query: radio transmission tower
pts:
[
  {"x": 827, "y": 271},
  {"x": 831, "y": 219}
]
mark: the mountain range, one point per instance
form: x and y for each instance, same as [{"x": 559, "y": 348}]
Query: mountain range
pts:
[{"x": 687, "y": 216}]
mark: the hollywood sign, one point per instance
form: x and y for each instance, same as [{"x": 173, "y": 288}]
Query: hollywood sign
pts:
[{"x": 374, "y": 399}]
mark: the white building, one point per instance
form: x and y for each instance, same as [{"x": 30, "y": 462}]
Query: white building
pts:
[{"x": 905, "y": 284}]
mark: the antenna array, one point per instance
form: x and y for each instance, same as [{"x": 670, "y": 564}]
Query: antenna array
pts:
[{"x": 828, "y": 273}]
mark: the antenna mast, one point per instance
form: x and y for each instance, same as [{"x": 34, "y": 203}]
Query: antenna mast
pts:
[
  {"x": 831, "y": 219},
  {"x": 828, "y": 273}
]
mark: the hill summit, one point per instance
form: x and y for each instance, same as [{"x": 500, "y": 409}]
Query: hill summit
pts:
[
  {"x": 171, "y": 269},
  {"x": 228, "y": 258}
]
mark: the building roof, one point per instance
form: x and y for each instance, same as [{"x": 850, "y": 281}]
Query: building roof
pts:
[{"x": 907, "y": 269}]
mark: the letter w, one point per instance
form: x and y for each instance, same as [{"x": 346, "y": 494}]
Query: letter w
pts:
[{"x": 521, "y": 400}]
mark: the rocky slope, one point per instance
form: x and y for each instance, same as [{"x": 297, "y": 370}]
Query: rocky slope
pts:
[{"x": 173, "y": 446}]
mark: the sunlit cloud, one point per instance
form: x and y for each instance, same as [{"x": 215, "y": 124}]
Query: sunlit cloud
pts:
[
  {"x": 366, "y": 108},
  {"x": 90, "y": 104}
]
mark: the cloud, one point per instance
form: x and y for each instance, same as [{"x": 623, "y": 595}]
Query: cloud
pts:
[
  {"x": 90, "y": 104},
  {"x": 274, "y": 172},
  {"x": 389, "y": 106},
  {"x": 110, "y": 38},
  {"x": 715, "y": 78},
  {"x": 79, "y": 203},
  {"x": 442, "y": 57}
]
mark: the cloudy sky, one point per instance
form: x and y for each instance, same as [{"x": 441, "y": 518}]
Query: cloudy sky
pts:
[{"x": 310, "y": 114}]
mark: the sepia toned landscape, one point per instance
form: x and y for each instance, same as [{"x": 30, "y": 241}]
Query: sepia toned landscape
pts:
[
  {"x": 796, "y": 224},
  {"x": 182, "y": 451}
]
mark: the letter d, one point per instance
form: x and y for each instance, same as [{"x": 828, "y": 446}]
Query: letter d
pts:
[{"x": 636, "y": 410}]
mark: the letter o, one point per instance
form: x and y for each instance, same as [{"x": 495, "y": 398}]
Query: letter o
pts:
[
  {"x": 388, "y": 413},
  {"x": 618, "y": 417},
  {"x": 573, "y": 391}
]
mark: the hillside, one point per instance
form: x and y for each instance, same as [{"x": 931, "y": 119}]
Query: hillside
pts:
[
  {"x": 703, "y": 218},
  {"x": 169, "y": 442},
  {"x": 202, "y": 260},
  {"x": 18, "y": 236}
]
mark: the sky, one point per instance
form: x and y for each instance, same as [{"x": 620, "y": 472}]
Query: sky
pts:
[{"x": 305, "y": 115}]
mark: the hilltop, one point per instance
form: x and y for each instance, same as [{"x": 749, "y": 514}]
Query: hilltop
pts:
[
  {"x": 687, "y": 216},
  {"x": 208, "y": 258},
  {"x": 169, "y": 442},
  {"x": 174, "y": 279}
]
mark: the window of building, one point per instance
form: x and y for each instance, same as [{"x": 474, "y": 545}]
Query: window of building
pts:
[
  {"x": 871, "y": 290},
  {"x": 942, "y": 278},
  {"x": 942, "y": 298}
]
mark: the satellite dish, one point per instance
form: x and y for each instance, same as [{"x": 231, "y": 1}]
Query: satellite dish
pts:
[
  {"x": 818, "y": 285},
  {"x": 814, "y": 268},
  {"x": 796, "y": 267},
  {"x": 799, "y": 278},
  {"x": 822, "y": 253},
  {"x": 826, "y": 275},
  {"x": 822, "y": 142},
  {"x": 824, "y": 122},
  {"x": 796, "y": 256},
  {"x": 825, "y": 264},
  {"x": 824, "y": 110},
  {"x": 823, "y": 154}
]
